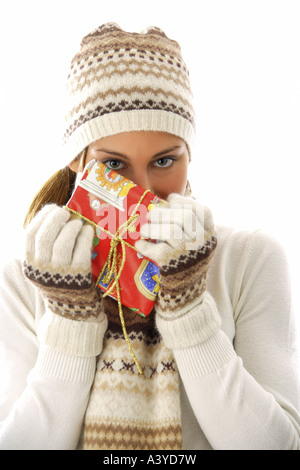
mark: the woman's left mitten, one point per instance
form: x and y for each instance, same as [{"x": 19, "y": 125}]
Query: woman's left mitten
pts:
[{"x": 185, "y": 245}]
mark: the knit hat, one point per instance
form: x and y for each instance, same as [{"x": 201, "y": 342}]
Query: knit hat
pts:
[{"x": 121, "y": 82}]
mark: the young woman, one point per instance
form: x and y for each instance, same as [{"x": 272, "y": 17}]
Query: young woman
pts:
[{"x": 217, "y": 351}]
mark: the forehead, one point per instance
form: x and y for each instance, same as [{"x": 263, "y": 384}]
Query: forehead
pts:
[{"x": 149, "y": 140}]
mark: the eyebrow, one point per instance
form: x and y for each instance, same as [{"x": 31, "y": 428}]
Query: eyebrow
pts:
[{"x": 118, "y": 154}]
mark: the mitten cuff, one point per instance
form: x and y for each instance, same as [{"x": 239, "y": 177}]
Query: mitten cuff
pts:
[
  {"x": 78, "y": 338},
  {"x": 191, "y": 328}
]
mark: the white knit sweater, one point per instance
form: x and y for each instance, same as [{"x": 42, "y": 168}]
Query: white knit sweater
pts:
[{"x": 239, "y": 390}]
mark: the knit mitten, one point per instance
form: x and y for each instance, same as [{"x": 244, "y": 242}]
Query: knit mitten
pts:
[
  {"x": 185, "y": 244},
  {"x": 58, "y": 263}
]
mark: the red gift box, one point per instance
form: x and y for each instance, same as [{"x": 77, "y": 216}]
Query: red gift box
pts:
[{"x": 117, "y": 208}]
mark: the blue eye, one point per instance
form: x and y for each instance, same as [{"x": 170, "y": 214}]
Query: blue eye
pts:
[
  {"x": 114, "y": 164},
  {"x": 164, "y": 162}
]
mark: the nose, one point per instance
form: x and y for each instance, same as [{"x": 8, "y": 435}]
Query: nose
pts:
[{"x": 141, "y": 178}]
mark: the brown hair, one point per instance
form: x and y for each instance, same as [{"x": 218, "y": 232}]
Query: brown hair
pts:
[{"x": 57, "y": 190}]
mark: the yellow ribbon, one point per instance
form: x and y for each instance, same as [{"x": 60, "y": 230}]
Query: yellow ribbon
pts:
[{"x": 111, "y": 264}]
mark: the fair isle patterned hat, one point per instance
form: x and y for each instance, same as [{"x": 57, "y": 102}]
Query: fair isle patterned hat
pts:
[{"x": 121, "y": 82}]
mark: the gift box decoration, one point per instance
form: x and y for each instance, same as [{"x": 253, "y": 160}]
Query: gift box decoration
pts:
[{"x": 117, "y": 208}]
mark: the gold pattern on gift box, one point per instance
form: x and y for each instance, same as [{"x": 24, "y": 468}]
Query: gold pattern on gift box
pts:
[
  {"x": 142, "y": 285},
  {"x": 107, "y": 185}
]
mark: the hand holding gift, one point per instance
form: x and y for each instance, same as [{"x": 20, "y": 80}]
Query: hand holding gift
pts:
[
  {"x": 58, "y": 263},
  {"x": 187, "y": 243}
]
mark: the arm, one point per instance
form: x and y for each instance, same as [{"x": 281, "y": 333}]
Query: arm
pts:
[
  {"x": 245, "y": 396},
  {"x": 45, "y": 380}
]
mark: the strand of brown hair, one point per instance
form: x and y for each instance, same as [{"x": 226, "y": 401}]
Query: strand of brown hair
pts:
[{"x": 57, "y": 190}]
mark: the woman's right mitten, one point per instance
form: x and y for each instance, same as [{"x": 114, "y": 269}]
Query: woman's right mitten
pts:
[{"x": 58, "y": 263}]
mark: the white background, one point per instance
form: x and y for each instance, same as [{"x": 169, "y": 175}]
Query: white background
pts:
[{"x": 244, "y": 63}]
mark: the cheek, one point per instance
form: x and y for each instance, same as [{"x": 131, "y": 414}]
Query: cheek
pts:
[
  {"x": 181, "y": 186},
  {"x": 174, "y": 183},
  {"x": 179, "y": 181}
]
